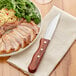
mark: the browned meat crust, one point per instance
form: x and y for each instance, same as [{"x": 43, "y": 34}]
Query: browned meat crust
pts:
[
  {"x": 9, "y": 26},
  {"x": 20, "y": 35}
]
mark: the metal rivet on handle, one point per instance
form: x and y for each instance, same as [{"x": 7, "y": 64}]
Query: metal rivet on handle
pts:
[
  {"x": 41, "y": 49},
  {"x": 45, "y": 42},
  {"x": 38, "y": 56}
]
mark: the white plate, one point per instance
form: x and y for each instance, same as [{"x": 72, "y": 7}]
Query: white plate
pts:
[
  {"x": 43, "y": 1},
  {"x": 24, "y": 49}
]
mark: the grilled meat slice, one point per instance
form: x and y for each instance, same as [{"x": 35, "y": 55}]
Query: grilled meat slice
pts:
[
  {"x": 8, "y": 45},
  {"x": 2, "y": 47},
  {"x": 19, "y": 39},
  {"x": 22, "y": 36},
  {"x": 27, "y": 36},
  {"x": 28, "y": 31},
  {"x": 35, "y": 27},
  {"x": 1, "y": 31},
  {"x": 9, "y": 26},
  {"x": 31, "y": 25},
  {"x": 14, "y": 43}
]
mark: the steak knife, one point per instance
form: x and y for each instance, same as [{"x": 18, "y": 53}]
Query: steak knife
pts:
[{"x": 37, "y": 57}]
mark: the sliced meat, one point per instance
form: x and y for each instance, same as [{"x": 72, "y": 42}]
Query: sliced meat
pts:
[
  {"x": 18, "y": 22},
  {"x": 9, "y": 26},
  {"x": 2, "y": 47},
  {"x": 27, "y": 36},
  {"x": 35, "y": 27},
  {"x": 14, "y": 36},
  {"x": 1, "y": 31},
  {"x": 8, "y": 45},
  {"x": 14, "y": 43},
  {"x": 21, "y": 37},
  {"x": 31, "y": 25},
  {"x": 0, "y": 40},
  {"x": 28, "y": 31}
]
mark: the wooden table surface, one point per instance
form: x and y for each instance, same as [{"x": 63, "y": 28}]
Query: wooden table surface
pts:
[{"x": 67, "y": 67}]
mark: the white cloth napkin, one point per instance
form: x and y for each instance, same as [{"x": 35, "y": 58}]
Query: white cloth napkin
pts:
[{"x": 63, "y": 38}]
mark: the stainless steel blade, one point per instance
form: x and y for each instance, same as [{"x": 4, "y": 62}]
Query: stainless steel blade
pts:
[{"x": 51, "y": 28}]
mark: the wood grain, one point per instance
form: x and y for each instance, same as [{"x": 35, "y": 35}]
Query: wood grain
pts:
[
  {"x": 67, "y": 67},
  {"x": 38, "y": 55}
]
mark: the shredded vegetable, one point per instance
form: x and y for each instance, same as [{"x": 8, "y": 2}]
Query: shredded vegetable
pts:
[{"x": 23, "y": 9}]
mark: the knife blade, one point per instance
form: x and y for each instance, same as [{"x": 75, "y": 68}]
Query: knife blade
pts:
[{"x": 37, "y": 57}]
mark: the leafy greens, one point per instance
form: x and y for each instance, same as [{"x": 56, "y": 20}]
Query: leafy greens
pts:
[{"x": 23, "y": 8}]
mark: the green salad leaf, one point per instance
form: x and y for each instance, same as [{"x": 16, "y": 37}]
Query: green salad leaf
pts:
[{"x": 23, "y": 8}]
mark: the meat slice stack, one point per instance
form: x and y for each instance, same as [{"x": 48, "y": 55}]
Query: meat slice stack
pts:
[
  {"x": 19, "y": 37},
  {"x": 9, "y": 26}
]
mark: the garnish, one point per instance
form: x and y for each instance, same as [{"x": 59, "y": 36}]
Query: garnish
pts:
[{"x": 23, "y": 9}]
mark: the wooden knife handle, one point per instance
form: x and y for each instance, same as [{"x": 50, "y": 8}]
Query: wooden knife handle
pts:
[{"x": 38, "y": 55}]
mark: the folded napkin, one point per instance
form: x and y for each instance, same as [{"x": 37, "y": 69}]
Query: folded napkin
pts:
[{"x": 63, "y": 38}]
